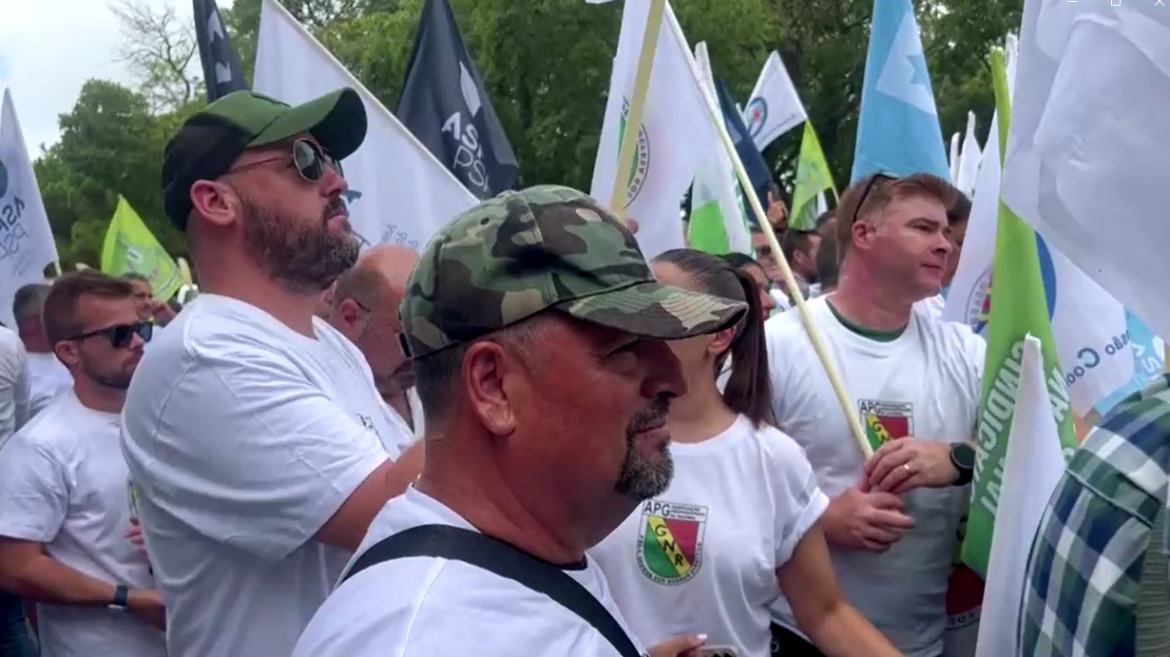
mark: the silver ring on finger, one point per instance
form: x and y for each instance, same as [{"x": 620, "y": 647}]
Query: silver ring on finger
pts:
[{"x": 909, "y": 470}]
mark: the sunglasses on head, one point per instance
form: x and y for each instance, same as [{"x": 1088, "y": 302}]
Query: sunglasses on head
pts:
[
  {"x": 309, "y": 159},
  {"x": 873, "y": 181},
  {"x": 121, "y": 335}
]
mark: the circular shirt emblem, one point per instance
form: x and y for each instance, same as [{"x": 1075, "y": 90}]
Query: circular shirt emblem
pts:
[
  {"x": 641, "y": 164},
  {"x": 757, "y": 115}
]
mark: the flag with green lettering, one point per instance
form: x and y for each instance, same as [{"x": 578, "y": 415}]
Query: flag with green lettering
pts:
[
  {"x": 131, "y": 247},
  {"x": 812, "y": 179},
  {"x": 1019, "y": 306}
]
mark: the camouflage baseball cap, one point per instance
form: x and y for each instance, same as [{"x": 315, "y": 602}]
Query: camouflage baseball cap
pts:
[{"x": 521, "y": 253}]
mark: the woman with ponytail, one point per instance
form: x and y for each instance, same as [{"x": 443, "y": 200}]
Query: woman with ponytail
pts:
[{"x": 740, "y": 520}]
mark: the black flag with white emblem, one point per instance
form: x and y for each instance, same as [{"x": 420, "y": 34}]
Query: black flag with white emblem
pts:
[
  {"x": 222, "y": 72},
  {"x": 444, "y": 105}
]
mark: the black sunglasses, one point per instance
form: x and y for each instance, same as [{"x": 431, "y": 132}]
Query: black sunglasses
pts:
[
  {"x": 866, "y": 190},
  {"x": 121, "y": 335},
  {"x": 309, "y": 159}
]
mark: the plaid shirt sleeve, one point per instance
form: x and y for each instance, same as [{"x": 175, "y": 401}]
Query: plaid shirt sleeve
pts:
[{"x": 1081, "y": 590}]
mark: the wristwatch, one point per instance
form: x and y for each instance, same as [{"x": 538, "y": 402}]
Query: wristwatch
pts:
[
  {"x": 121, "y": 599},
  {"x": 963, "y": 458}
]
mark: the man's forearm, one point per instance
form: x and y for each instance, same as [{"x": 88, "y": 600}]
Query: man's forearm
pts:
[{"x": 43, "y": 579}]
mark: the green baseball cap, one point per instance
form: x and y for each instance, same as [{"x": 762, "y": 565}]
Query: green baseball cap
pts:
[
  {"x": 208, "y": 142},
  {"x": 547, "y": 247}
]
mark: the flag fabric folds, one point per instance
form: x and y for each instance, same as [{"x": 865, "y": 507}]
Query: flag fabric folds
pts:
[
  {"x": 1090, "y": 143},
  {"x": 222, "y": 72},
  {"x": 131, "y": 247},
  {"x": 398, "y": 192},
  {"x": 775, "y": 106},
  {"x": 898, "y": 131},
  {"x": 26, "y": 240},
  {"x": 443, "y": 103}
]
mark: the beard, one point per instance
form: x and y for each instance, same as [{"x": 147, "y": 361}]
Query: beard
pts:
[
  {"x": 645, "y": 475},
  {"x": 116, "y": 379},
  {"x": 304, "y": 256}
]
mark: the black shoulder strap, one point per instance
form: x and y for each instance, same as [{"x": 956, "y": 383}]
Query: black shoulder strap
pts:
[{"x": 496, "y": 556}]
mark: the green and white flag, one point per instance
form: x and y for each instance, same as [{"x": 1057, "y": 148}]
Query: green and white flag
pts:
[
  {"x": 717, "y": 219},
  {"x": 674, "y": 140},
  {"x": 1020, "y": 308}
]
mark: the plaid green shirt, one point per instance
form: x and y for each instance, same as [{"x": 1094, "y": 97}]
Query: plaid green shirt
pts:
[{"x": 1086, "y": 564}]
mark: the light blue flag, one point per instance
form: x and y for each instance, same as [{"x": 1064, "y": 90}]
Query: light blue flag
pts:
[
  {"x": 1148, "y": 363},
  {"x": 898, "y": 131}
]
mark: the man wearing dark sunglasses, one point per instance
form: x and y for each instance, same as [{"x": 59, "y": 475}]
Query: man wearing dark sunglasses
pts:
[
  {"x": 254, "y": 432},
  {"x": 65, "y": 485},
  {"x": 916, "y": 382}
]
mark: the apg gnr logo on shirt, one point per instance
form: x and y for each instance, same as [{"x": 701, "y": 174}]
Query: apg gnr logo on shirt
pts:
[
  {"x": 670, "y": 545},
  {"x": 886, "y": 420}
]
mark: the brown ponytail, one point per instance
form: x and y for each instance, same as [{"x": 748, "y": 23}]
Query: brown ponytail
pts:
[{"x": 749, "y": 388}]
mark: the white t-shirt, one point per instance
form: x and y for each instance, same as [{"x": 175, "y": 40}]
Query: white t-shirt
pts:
[
  {"x": 701, "y": 558},
  {"x": 243, "y": 438},
  {"x": 429, "y": 607},
  {"x": 14, "y": 384},
  {"x": 63, "y": 483},
  {"x": 925, "y": 384},
  {"x": 48, "y": 377}
]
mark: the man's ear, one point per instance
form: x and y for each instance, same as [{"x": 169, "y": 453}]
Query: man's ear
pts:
[
  {"x": 215, "y": 201},
  {"x": 483, "y": 370},
  {"x": 68, "y": 352}
]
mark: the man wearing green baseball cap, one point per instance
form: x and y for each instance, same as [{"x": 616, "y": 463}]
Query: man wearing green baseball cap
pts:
[
  {"x": 254, "y": 435},
  {"x": 538, "y": 336}
]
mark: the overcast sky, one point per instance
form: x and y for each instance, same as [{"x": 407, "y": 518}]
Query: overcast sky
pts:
[{"x": 49, "y": 48}]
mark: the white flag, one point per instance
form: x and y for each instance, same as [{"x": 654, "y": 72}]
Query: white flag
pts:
[
  {"x": 26, "y": 241},
  {"x": 1088, "y": 325},
  {"x": 714, "y": 195},
  {"x": 673, "y": 140},
  {"x": 953, "y": 158},
  {"x": 969, "y": 159},
  {"x": 775, "y": 107},
  {"x": 1032, "y": 466},
  {"x": 1089, "y": 150},
  {"x": 398, "y": 192}
]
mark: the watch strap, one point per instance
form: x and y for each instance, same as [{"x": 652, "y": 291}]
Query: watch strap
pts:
[{"x": 121, "y": 597}]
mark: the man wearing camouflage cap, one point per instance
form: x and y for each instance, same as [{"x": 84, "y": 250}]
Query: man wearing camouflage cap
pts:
[{"x": 538, "y": 335}]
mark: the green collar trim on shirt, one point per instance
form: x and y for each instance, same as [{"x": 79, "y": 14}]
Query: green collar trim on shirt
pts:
[{"x": 872, "y": 334}]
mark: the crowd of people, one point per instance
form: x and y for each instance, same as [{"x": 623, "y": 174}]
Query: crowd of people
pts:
[{"x": 526, "y": 439}]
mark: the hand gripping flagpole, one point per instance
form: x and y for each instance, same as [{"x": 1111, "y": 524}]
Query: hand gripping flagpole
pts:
[{"x": 847, "y": 406}]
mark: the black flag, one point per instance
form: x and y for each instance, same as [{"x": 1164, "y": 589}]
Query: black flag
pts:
[
  {"x": 222, "y": 72},
  {"x": 444, "y": 104}
]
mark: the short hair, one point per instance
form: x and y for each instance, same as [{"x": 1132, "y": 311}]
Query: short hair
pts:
[
  {"x": 28, "y": 302},
  {"x": 136, "y": 276},
  {"x": 795, "y": 240},
  {"x": 358, "y": 283},
  {"x": 436, "y": 373},
  {"x": 873, "y": 194},
  {"x": 960, "y": 210},
  {"x": 62, "y": 320}
]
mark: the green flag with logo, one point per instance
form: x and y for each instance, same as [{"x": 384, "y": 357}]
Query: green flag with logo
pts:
[
  {"x": 1019, "y": 307},
  {"x": 131, "y": 247}
]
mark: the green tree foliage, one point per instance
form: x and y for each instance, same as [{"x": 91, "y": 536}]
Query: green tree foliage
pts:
[{"x": 546, "y": 66}]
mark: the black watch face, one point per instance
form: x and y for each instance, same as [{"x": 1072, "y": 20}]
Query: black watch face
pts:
[{"x": 964, "y": 456}]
